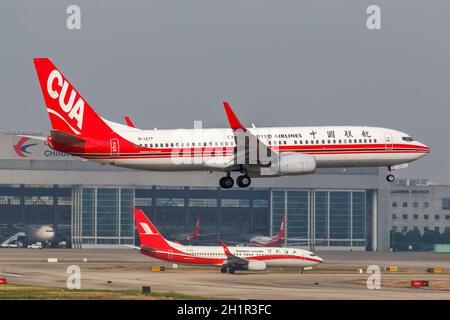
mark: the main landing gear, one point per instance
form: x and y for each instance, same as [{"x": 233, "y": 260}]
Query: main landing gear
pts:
[
  {"x": 230, "y": 270},
  {"x": 390, "y": 177},
  {"x": 242, "y": 181}
]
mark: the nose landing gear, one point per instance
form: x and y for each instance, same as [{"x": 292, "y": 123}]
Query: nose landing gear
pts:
[{"x": 390, "y": 177}]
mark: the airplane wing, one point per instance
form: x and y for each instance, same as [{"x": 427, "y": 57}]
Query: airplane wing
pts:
[
  {"x": 251, "y": 152},
  {"x": 231, "y": 258}
]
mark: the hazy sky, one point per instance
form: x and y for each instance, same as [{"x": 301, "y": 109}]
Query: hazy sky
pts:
[{"x": 167, "y": 63}]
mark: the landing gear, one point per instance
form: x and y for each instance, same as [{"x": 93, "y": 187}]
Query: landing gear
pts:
[
  {"x": 243, "y": 181},
  {"x": 302, "y": 271},
  {"x": 226, "y": 182},
  {"x": 223, "y": 270},
  {"x": 231, "y": 270},
  {"x": 390, "y": 177}
]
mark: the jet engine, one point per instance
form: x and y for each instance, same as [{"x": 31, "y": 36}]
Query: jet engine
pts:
[
  {"x": 255, "y": 265},
  {"x": 296, "y": 164}
]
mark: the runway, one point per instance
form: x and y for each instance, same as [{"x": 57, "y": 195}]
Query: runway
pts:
[{"x": 127, "y": 269}]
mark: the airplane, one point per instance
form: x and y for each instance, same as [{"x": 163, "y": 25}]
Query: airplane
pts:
[
  {"x": 195, "y": 235},
  {"x": 253, "y": 152},
  {"x": 230, "y": 259},
  {"x": 275, "y": 241}
]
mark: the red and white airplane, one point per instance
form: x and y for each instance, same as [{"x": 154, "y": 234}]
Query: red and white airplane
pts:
[
  {"x": 254, "y": 152},
  {"x": 275, "y": 241},
  {"x": 195, "y": 235},
  {"x": 230, "y": 259}
]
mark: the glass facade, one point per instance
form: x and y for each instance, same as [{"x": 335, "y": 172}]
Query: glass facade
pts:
[
  {"x": 322, "y": 218},
  {"x": 106, "y": 216}
]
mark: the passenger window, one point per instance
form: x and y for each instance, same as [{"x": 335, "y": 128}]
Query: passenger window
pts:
[
  {"x": 312, "y": 141},
  {"x": 205, "y": 144},
  {"x": 306, "y": 141},
  {"x": 334, "y": 141},
  {"x": 317, "y": 141},
  {"x": 360, "y": 141},
  {"x": 370, "y": 140},
  {"x": 340, "y": 141},
  {"x": 355, "y": 141},
  {"x": 329, "y": 141},
  {"x": 146, "y": 145},
  {"x": 301, "y": 141},
  {"x": 375, "y": 140},
  {"x": 285, "y": 142},
  {"x": 323, "y": 141},
  {"x": 151, "y": 145},
  {"x": 365, "y": 140},
  {"x": 171, "y": 145},
  {"x": 226, "y": 143},
  {"x": 295, "y": 141}
]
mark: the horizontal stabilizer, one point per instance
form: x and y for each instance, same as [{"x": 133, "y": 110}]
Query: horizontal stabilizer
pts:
[
  {"x": 40, "y": 138},
  {"x": 60, "y": 137}
]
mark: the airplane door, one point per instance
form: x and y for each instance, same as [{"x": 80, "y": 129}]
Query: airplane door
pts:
[
  {"x": 114, "y": 144},
  {"x": 388, "y": 140}
]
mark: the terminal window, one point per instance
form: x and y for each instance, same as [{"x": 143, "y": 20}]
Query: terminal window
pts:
[{"x": 446, "y": 204}]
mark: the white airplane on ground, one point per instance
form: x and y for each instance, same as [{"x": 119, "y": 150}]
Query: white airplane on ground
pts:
[
  {"x": 254, "y": 152},
  {"x": 230, "y": 259}
]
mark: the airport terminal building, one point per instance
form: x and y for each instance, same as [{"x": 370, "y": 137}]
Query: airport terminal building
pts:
[{"x": 90, "y": 205}]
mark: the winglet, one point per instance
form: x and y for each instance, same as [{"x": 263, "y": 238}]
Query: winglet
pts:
[
  {"x": 225, "y": 248},
  {"x": 235, "y": 124},
  {"x": 129, "y": 122}
]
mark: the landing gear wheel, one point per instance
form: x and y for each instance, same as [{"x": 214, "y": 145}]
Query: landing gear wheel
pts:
[
  {"x": 243, "y": 181},
  {"x": 390, "y": 178},
  {"x": 302, "y": 271},
  {"x": 226, "y": 182},
  {"x": 223, "y": 270},
  {"x": 231, "y": 270}
]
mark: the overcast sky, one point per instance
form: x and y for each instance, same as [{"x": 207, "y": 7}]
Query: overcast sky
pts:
[{"x": 167, "y": 63}]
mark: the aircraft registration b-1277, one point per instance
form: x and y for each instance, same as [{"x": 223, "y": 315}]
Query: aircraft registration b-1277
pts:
[
  {"x": 230, "y": 259},
  {"x": 254, "y": 152}
]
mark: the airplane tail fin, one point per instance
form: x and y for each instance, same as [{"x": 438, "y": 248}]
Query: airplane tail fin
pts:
[
  {"x": 69, "y": 113},
  {"x": 148, "y": 234},
  {"x": 282, "y": 233},
  {"x": 196, "y": 232}
]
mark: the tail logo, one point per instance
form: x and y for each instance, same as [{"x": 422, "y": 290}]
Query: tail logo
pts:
[
  {"x": 21, "y": 148},
  {"x": 146, "y": 228},
  {"x": 74, "y": 111}
]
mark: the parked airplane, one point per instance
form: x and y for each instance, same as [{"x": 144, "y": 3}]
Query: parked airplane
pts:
[
  {"x": 196, "y": 235},
  {"x": 229, "y": 259},
  {"x": 275, "y": 241},
  {"x": 254, "y": 152}
]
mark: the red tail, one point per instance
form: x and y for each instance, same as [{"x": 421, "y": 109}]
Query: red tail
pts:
[
  {"x": 282, "y": 233},
  {"x": 196, "y": 232},
  {"x": 67, "y": 110},
  {"x": 148, "y": 234}
]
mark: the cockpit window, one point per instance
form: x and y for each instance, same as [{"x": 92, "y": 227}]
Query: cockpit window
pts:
[
  {"x": 312, "y": 255},
  {"x": 409, "y": 139}
]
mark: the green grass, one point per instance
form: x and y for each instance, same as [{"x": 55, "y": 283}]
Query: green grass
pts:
[{"x": 28, "y": 292}]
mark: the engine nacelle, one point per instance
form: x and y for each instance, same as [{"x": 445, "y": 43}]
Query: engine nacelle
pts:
[
  {"x": 296, "y": 164},
  {"x": 255, "y": 265}
]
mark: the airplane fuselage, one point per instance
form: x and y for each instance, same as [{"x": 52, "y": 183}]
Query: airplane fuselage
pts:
[
  {"x": 215, "y": 256},
  {"x": 213, "y": 149}
]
